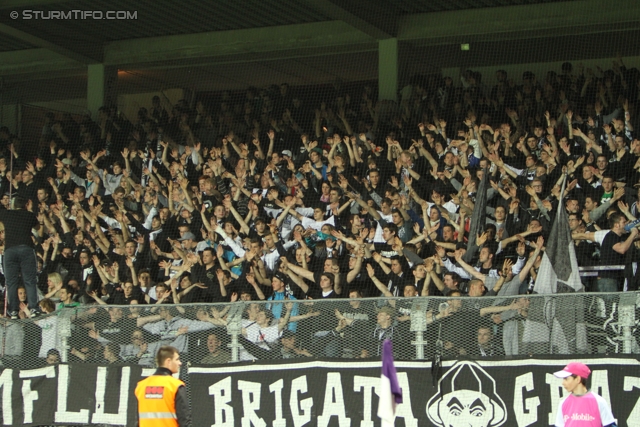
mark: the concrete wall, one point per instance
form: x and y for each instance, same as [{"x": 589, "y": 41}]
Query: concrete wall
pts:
[{"x": 75, "y": 106}]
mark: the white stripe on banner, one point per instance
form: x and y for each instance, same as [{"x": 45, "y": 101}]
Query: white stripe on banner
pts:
[{"x": 416, "y": 364}]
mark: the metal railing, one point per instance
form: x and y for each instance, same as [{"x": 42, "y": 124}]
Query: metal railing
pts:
[{"x": 593, "y": 271}]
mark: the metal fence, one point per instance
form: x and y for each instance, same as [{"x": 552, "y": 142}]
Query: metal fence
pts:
[{"x": 420, "y": 328}]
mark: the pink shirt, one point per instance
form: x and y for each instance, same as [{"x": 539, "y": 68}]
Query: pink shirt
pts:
[{"x": 588, "y": 410}]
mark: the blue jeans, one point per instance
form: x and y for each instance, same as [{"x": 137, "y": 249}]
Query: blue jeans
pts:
[
  {"x": 605, "y": 284},
  {"x": 17, "y": 260}
]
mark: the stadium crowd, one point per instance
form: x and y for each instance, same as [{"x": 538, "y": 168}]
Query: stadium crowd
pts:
[{"x": 267, "y": 195}]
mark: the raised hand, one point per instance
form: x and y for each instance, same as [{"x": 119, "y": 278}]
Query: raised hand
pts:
[
  {"x": 623, "y": 206},
  {"x": 506, "y": 267},
  {"x": 428, "y": 265},
  {"x": 370, "y": 271},
  {"x": 530, "y": 190},
  {"x": 534, "y": 228},
  {"x": 416, "y": 228},
  {"x": 284, "y": 263},
  {"x": 481, "y": 239},
  {"x": 337, "y": 234}
]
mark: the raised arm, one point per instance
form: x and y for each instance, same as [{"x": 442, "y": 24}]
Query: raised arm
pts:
[
  {"x": 493, "y": 309},
  {"x": 469, "y": 269},
  {"x": 374, "y": 213},
  {"x": 429, "y": 157},
  {"x": 282, "y": 323},
  {"x": 165, "y": 153},
  {"x": 272, "y": 137},
  {"x": 532, "y": 259},
  {"x": 381, "y": 287},
  {"x": 298, "y": 280},
  {"x": 285, "y": 213},
  {"x": 223, "y": 288},
  {"x": 436, "y": 280},
  {"x": 356, "y": 270},
  {"x": 252, "y": 281},
  {"x": 132, "y": 269},
  {"x": 428, "y": 268},
  {"x": 380, "y": 260},
  {"x": 95, "y": 297},
  {"x": 299, "y": 270}
]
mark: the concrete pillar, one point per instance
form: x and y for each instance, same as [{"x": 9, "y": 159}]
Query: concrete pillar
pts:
[
  {"x": 102, "y": 82},
  {"x": 388, "y": 69}
]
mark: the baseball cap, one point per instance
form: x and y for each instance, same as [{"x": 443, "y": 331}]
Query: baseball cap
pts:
[
  {"x": 574, "y": 368},
  {"x": 186, "y": 236},
  {"x": 461, "y": 245},
  {"x": 281, "y": 277},
  {"x": 287, "y": 153}
]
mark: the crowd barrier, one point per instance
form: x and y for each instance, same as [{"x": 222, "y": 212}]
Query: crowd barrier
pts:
[{"x": 420, "y": 329}]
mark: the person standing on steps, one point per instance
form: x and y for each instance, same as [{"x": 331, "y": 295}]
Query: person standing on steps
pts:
[{"x": 20, "y": 255}]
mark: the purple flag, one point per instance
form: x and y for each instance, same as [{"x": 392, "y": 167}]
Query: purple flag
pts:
[{"x": 390, "y": 392}]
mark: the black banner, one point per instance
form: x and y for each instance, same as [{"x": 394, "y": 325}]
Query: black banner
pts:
[
  {"x": 337, "y": 393},
  {"x": 70, "y": 394},
  {"x": 320, "y": 393}
]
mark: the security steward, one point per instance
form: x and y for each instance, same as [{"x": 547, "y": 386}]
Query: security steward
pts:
[{"x": 162, "y": 399}]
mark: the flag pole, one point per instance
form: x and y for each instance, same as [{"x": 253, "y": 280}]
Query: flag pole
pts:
[
  {"x": 6, "y": 295},
  {"x": 560, "y": 206}
]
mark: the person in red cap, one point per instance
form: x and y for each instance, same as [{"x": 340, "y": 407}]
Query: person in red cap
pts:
[{"x": 582, "y": 407}]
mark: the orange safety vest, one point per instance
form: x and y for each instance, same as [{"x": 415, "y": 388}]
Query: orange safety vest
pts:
[{"x": 157, "y": 401}]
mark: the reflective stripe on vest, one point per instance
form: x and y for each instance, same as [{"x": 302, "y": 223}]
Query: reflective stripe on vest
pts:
[
  {"x": 156, "y": 401},
  {"x": 157, "y": 415}
]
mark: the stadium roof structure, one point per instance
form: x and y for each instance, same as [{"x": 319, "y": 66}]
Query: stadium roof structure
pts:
[{"x": 234, "y": 44}]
